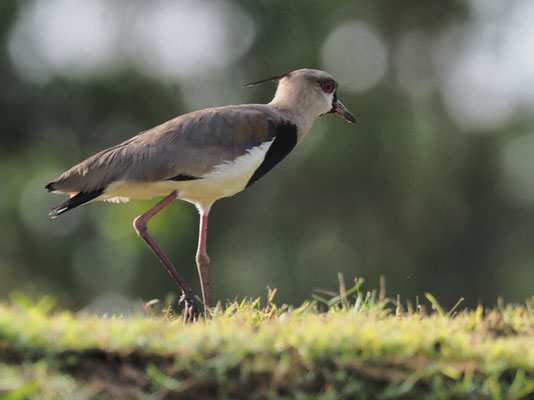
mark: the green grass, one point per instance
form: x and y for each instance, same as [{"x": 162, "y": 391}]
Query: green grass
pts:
[{"x": 354, "y": 345}]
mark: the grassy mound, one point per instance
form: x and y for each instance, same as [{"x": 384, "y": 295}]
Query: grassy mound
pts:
[{"x": 355, "y": 346}]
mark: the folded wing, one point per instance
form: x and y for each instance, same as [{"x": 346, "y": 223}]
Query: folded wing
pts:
[{"x": 184, "y": 148}]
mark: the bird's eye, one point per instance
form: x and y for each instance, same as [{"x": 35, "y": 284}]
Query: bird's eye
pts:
[{"x": 328, "y": 86}]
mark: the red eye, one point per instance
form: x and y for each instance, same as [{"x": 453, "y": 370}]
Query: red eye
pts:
[{"x": 328, "y": 86}]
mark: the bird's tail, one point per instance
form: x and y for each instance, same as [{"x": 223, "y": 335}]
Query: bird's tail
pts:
[{"x": 73, "y": 202}]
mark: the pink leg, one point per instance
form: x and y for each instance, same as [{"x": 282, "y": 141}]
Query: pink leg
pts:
[
  {"x": 203, "y": 261},
  {"x": 141, "y": 229}
]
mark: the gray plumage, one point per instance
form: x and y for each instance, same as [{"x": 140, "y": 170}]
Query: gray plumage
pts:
[{"x": 191, "y": 144}]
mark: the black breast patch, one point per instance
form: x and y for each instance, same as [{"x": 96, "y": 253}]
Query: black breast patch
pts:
[{"x": 285, "y": 139}]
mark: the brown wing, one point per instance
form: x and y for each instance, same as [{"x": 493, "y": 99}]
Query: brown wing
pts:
[{"x": 188, "y": 146}]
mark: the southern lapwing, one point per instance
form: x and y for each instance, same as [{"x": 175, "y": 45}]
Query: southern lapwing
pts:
[{"x": 201, "y": 157}]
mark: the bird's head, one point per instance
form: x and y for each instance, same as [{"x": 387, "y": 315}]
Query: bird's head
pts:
[{"x": 309, "y": 89}]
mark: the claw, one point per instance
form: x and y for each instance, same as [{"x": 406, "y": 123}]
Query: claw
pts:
[{"x": 191, "y": 312}]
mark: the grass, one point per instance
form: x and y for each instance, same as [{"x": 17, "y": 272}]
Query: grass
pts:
[{"x": 353, "y": 345}]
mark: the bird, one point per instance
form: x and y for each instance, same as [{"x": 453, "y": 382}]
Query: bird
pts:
[{"x": 201, "y": 157}]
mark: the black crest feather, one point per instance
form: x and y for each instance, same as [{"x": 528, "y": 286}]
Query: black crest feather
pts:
[{"x": 274, "y": 78}]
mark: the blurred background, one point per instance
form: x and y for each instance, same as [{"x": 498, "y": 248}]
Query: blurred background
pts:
[{"x": 433, "y": 188}]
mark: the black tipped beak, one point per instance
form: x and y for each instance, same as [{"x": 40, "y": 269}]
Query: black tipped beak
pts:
[{"x": 339, "y": 109}]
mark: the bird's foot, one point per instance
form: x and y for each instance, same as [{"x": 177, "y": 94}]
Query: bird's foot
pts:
[{"x": 191, "y": 312}]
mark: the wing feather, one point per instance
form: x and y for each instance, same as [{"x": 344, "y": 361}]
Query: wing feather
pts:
[{"x": 190, "y": 145}]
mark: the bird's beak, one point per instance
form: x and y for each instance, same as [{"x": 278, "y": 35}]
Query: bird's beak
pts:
[{"x": 339, "y": 109}]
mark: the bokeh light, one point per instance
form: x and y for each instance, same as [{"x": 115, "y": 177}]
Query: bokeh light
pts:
[
  {"x": 62, "y": 37},
  {"x": 355, "y": 54},
  {"x": 163, "y": 38},
  {"x": 487, "y": 64}
]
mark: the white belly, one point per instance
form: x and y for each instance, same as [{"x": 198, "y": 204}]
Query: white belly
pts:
[{"x": 224, "y": 180}]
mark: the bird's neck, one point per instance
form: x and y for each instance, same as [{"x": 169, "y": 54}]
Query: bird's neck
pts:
[{"x": 297, "y": 111}]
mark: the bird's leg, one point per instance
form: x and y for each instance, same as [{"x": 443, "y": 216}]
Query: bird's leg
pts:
[
  {"x": 203, "y": 261},
  {"x": 191, "y": 312}
]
